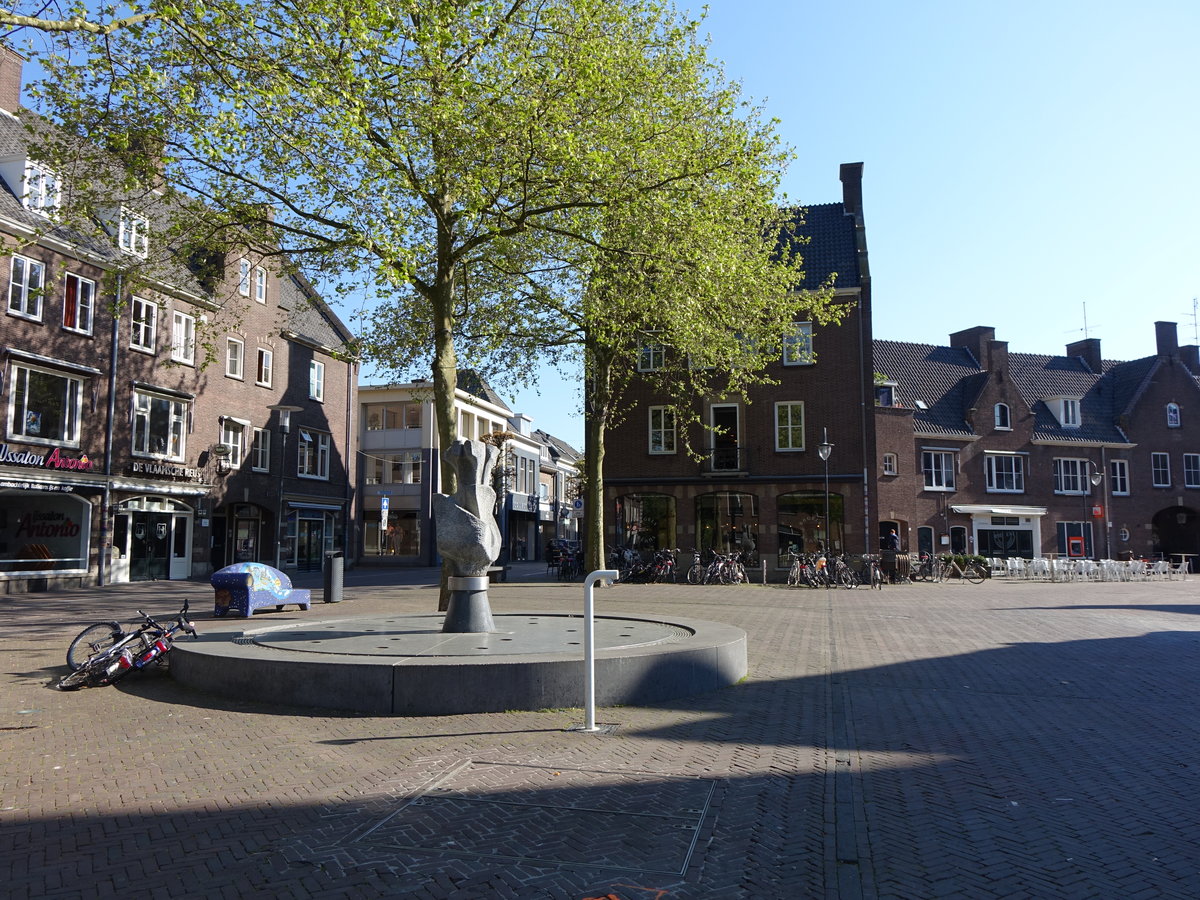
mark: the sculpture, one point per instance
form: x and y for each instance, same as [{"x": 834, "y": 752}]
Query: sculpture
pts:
[{"x": 467, "y": 535}]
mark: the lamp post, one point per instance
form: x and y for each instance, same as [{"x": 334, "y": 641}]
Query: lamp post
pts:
[
  {"x": 1096, "y": 478},
  {"x": 823, "y": 450},
  {"x": 285, "y": 411}
]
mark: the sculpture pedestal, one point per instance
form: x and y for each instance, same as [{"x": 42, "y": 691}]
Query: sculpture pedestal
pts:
[{"x": 469, "y": 610}]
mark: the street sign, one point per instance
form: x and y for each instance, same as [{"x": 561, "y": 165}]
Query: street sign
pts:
[{"x": 383, "y": 505}]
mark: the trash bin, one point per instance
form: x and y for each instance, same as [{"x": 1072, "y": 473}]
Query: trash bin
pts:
[{"x": 334, "y": 569}]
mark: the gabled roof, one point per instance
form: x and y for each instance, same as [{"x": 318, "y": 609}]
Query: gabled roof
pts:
[
  {"x": 825, "y": 239},
  {"x": 472, "y": 382},
  {"x": 936, "y": 376},
  {"x": 560, "y": 450},
  {"x": 1039, "y": 378}
]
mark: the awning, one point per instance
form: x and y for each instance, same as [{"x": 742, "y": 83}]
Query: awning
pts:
[
  {"x": 301, "y": 504},
  {"x": 1000, "y": 510}
]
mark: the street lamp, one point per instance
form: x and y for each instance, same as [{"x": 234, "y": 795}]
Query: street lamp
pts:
[
  {"x": 1096, "y": 478},
  {"x": 823, "y": 450},
  {"x": 285, "y": 411}
]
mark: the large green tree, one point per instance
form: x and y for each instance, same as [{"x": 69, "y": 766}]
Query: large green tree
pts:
[{"x": 505, "y": 169}]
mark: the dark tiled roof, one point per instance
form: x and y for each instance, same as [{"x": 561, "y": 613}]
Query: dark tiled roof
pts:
[
  {"x": 559, "y": 449},
  {"x": 1129, "y": 380},
  {"x": 824, "y": 237},
  {"x": 1038, "y": 377},
  {"x": 472, "y": 382},
  {"x": 937, "y": 376},
  {"x": 309, "y": 317}
]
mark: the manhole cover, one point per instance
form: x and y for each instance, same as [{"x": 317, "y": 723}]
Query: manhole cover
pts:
[{"x": 541, "y": 815}]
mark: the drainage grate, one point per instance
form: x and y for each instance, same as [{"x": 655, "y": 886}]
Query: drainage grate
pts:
[{"x": 542, "y": 815}]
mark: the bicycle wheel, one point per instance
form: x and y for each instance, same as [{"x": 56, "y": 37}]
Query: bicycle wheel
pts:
[
  {"x": 876, "y": 577},
  {"x": 739, "y": 574},
  {"x": 848, "y": 578},
  {"x": 695, "y": 574},
  {"x": 92, "y": 640},
  {"x": 973, "y": 575}
]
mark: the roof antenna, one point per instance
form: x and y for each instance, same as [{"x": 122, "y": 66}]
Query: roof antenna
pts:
[
  {"x": 1195, "y": 323},
  {"x": 1085, "y": 327}
]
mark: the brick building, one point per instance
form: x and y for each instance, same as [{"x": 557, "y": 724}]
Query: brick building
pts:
[
  {"x": 1014, "y": 454},
  {"x": 126, "y": 457},
  {"x": 761, "y": 484}
]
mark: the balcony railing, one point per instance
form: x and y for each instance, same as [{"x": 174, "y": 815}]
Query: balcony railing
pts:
[{"x": 725, "y": 461}]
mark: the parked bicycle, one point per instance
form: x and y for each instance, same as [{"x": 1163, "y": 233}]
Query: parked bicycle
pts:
[
  {"x": 105, "y": 653},
  {"x": 873, "y": 570}
]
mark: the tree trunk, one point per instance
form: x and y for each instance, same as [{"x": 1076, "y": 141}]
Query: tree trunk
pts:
[
  {"x": 445, "y": 384},
  {"x": 597, "y": 403}
]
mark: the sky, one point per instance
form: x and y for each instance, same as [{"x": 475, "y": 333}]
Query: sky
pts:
[
  {"x": 1026, "y": 165},
  {"x": 1030, "y": 166}
]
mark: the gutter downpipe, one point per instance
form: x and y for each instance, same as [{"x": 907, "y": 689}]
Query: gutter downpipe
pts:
[{"x": 105, "y": 551}]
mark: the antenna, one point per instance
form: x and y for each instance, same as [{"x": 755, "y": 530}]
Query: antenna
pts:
[
  {"x": 1085, "y": 327},
  {"x": 1195, "y": 323}
]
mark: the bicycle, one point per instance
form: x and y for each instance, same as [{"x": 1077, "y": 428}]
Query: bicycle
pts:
[
  {"x": 874, "y": 572},
  {"x": 105, "y": 653},
  {"x": 695, "y": 573},
  {"x": 974, "y": 572}
]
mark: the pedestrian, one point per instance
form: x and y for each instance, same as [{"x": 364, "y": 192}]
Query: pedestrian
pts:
[{"x": 891, "y": 546}]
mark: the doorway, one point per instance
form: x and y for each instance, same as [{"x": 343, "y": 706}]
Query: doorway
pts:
[
  {"x": 149, "y": 546},
  {"x": 724, "y": 418},
  {"x": 310, "y": 544}
]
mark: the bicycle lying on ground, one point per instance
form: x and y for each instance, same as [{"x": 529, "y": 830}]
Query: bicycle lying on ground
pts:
[{"x": 105, "y": 653}]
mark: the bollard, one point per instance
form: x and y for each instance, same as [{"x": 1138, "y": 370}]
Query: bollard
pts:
[{"x": 589, "y": 644}]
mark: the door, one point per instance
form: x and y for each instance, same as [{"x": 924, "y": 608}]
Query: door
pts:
[
  {"x": 150, "y": 547},
  {"x": 725, "y": 437},
  {"x": 245, "y": 542},
  {"x": 310, "y": 543}
]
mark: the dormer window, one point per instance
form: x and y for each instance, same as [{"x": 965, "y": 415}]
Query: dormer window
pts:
[
  {"x": 134, "y": 234},
  {"x": 1066, "y": 409},
  {"x": 43, "y": 193},
  {"x": 1003, "y": 417},
  {"x": 885, "y": 393},
  {"x": 1173, "y": 417}
]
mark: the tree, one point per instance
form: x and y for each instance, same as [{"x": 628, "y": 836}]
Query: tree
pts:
[{"x": 468, "y": 158}]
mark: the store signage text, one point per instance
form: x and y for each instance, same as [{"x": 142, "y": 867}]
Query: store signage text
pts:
[
  {"x": 52, "y": 460},
  {"x": 154, "y": 468},
  {"x": 46, "y": 524}
]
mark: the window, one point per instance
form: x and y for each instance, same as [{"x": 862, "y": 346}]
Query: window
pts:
[
  {"x": 890, "y": 464},
  {"x": 42, "y": 189},
  {"x": 789, "y": 426},
  {"x": 316, "y": 380},
  {"x": 797, "y": 346},
  {"x": 313, "y": 458},
  {"x": 404, "y": 468},
  {"x": 45, "y": 406},
  {"x": 25, "y": 289},
  {"x": 260, "y": 284},
  {"x": 885, "y": 394},
  {"x": 1173, "y": 416},
  {"x": 387, "y": 416},
  {"x": 235, "y": 352},
  {"x": 260, "y": 450},
  {"x": 263, "y": 374},
  {"x": 183, "y": 338},
  {"x": 1068, "y": 412},
  {"x": 144, "y": 325},
  {"x": 1070, "y": 476},
  {"x": 1005, "y": 473},
  {"x": 651, "y": 357},
  {"x": 158, "y": 425},
  {"x": 1160, "y": 469},
  {"x": 1118, "y": 471},
  {"x": 79, "y": 297},
  {"x": 233, "y": 436},
  {"x": 244, "y": 278},
  {"x": 1191, "y": 470},
  {"x": 133, "y": 236},
  {"x": 662, "y": 429},
  {"x": 1003, "y": 417},
  {"x": 938, "y": 467}
]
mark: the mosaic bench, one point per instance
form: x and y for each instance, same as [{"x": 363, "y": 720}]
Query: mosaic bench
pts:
[{"x": 245, "y": 587}]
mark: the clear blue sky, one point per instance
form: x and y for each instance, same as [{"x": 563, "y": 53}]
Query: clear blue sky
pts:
[{"x": 1021, "y": 160}]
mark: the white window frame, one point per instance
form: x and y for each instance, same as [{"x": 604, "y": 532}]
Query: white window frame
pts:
[
  {"x": 27, "y": 278},
  {"x": 21, "y": 417},
  {"x": 244, "y": 277},
  {"x": 1002, "y": 469},
  {"x": 1160, "y": 469},
  {"x": 1003, "y": 417},
  {"x": 133, "y": 235},
  {"x": 1071, "y": 476},
  {"x": 651, "y": 357},
  {"x": 85, "y": 302},
  {"x": 176, "y": 413},
  {"x": 260, "y": 450},
  {"x": 1191, "y": 470},
  {"x": 183, "y": 338},
  {"x": 143, "y": 333},
  {"x": 235, "y": 360},
  {"x": 789, "y": 434},
  {"x": 263, "y": 366},
  {"x": 662, "y": 432},
  {"x": 260, "y": 284},
  {"x": 312, "y": 456},
  {"x": 1174, "y": 416},
  {"x": 1118, "y": 473},
  {"x": 891, "y": 464},
  {"x": 798, "y": 345},
  {"x": 233, "y": 436},
  {"x": 316, "y": 380},
  {"x": 1069, "y": 412},
  {"x": 43, "y": 190},
  {"x": 938, "y": 468}
]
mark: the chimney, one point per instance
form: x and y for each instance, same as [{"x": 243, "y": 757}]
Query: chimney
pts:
[
  {"x": 851, "y": 175},
  {"x": 975, "y": 340},
  {"x": 1089, "y": 349},
  {"x": 1166, "y": 339},
  {"x": 11, "y": 64},
  {"x": 1190, "y": 354},
  {"x": 997, "y": 356}
]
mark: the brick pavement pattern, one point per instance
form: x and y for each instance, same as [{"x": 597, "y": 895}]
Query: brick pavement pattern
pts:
[{"x": 928, "y": 741}]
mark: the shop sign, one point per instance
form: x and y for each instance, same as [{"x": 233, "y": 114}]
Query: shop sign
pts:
[
  {"x": 46, "y": 525},
  {"x": 139, "y": 467},
  {"x": 36, "y": 486},
  {"x": 52, "y": 460}
]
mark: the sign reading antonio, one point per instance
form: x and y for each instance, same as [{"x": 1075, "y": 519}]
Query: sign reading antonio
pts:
[{"x": 52, "y": 460}]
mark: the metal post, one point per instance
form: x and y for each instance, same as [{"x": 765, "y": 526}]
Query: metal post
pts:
[{"x": 608, "y": 576}]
